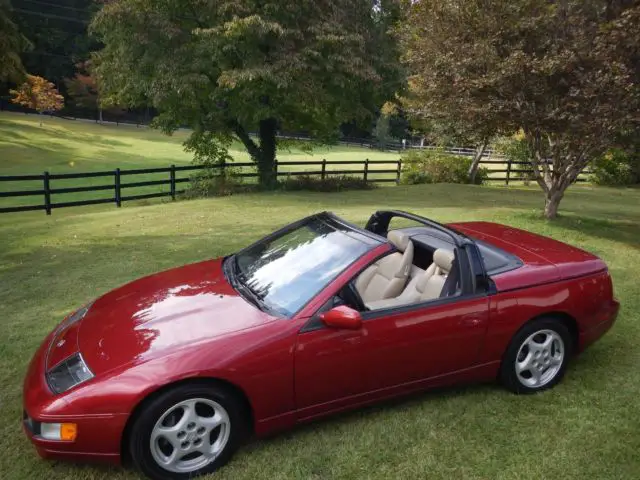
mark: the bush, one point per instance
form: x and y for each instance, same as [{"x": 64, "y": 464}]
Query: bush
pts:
[
  {"x": 331, "y": 183},
  {"x": 615, "y": 168},
  {"x": 438, "y": 166},
  {"x": 215, "y": 182},
  {"x": 216, "y": 179}
]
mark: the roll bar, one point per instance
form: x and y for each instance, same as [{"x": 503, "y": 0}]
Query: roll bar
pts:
[{"x": 379, "y": 224}]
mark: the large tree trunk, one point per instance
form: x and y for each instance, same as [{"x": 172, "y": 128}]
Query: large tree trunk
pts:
[
  {"x": 555, "y": 167},
  {"x": 477, "y": 157},
  {"x": 268, "y": 145},
  {"x": 264, "y": 155},
  {"x": 552, "y": 202}
]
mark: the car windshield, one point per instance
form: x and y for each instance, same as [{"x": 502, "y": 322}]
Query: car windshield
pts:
[{"x": 287, "y": 271}]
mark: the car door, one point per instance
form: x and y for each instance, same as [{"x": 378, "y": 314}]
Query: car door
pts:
[{"x": 395, "y": 350}]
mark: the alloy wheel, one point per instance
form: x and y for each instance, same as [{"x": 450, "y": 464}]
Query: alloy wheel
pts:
[
  {"x": 539, "y": 358},
  {"x": 190, "y": 435}
]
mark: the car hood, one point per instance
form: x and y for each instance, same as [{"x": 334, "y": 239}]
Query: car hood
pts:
[
  {"x": 544, "y": 259},
  {"x": 162, "y": 313}
]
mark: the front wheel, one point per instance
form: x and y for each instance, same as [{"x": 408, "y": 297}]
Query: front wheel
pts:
[
  {"x": 188, "y": 431},
  {"x": 537, "y": 356}
]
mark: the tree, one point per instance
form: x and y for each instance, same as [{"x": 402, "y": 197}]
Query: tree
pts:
[
  {"x": 58, "y": 31},
  {"x": 396, "y": 119},
  {"x": 382, "y": 131},
  {"x": 234, "y": 67},
  {"x": 12, "y": 44},
  {"x": 38, "y": 94},
  {"x": 83, "y": 89},
  {"x": 565, "y": 72}
]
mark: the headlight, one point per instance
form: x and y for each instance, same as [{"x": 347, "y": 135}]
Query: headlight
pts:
[
  {"x": 74, "y": 317},
  {"x": 67, "y": 374}
]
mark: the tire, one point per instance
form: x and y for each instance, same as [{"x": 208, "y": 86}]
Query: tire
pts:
[
  {"x": 537, "y": 357},
  {"x": 199, "y": 426}
]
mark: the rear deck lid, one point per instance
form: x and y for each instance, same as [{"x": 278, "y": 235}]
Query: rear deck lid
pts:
[{"x": 544, "y": 259}]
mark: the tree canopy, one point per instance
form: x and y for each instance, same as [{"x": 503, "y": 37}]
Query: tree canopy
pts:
[
  {"x": 12, "y": 44},
  {"x": 566, "y": 73},
  {"x": 83, "y": 88},
  {"x": 58, "y": 32},
  {"x": 38, "y": 94},
  {"x": 239, "y": 66}
]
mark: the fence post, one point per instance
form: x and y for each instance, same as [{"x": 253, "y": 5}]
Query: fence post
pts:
[
  {"x": 508, "y": 171},
  {"x": 47, "y": 194},
  {"x": 275, "y": 170},
  {"x": 118, "y": 193},
  {"x": 172, "y": 180},
  {"x": 324, "y": 168},
  {"x": 398, "y": 172},
  {"x": 366, "y": 169}
]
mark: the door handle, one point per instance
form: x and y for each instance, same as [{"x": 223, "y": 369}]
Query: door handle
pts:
[{"x": 472, "y": 320}]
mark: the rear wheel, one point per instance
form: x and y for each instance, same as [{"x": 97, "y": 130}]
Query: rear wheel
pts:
[
  {"x": 537, "y": 356},
  {"x": 188, "y": 431}
]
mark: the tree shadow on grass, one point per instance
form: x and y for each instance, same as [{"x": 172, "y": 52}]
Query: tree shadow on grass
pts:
[
  {"x": 10, "y": 130},
  {"x": 412, "y": 197},
  {"x": 140, "y": 160},
  {"x": 33, "y": 158},
  {"x": 626, "y": 231},
  {"x": 126, "y": 131}
]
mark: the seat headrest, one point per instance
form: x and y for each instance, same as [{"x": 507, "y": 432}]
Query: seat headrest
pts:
[
  {"x": 443, "y": 259},
  {"x": 399, "y": 239}
]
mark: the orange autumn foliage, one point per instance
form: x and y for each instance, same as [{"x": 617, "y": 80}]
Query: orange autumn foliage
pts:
[{"x": 38, "y": 94}]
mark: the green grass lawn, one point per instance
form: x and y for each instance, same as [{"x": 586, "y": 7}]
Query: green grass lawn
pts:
[
  {"x": 65, "y": 146},
  {"x": 588, "y": 427},
  {"x": 70, "y": 146}
]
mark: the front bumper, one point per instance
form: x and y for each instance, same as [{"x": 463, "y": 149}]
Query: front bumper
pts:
[
  {"x": 99, "y": 435},
  {"x": 98, "y": 439}
]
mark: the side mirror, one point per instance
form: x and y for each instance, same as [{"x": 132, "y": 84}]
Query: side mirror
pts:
[{"x": 342, "y": 317}]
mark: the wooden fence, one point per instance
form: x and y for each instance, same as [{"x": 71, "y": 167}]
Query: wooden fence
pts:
[{"x": 118, "y": 183}]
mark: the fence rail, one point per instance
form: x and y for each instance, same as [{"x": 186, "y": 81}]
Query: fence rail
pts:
[{"x": 121, "y": 183}]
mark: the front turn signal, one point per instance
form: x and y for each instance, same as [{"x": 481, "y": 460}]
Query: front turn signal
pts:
[{"x": 66, "y": 432}]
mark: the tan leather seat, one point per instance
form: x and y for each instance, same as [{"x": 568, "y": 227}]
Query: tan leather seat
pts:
[
  {"x": 436, "y": 275},
  {"x": 388, "y": 276},
  {"x": 426, "y": 285}
]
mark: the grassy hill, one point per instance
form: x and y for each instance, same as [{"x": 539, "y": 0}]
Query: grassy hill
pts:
[{"x": 62, "y": 146}]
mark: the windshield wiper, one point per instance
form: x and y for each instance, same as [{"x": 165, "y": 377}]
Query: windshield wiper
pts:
[
  {"x": 228, "y": 270},
  {"x": 237, "y": 280}
]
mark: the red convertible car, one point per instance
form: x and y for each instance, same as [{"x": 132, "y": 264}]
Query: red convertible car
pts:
[{"x": 176, "y": 369}]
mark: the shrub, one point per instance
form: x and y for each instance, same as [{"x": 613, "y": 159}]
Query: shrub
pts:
[
  {"x": 514, "y": 147},
  {"x": 615, "y": 168},
  {"x": 331, "y": 183},
  {"x": 438, "y": 166},
  {"x": 217, "y": 178},
  {"x": 215, "y": 182}
]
